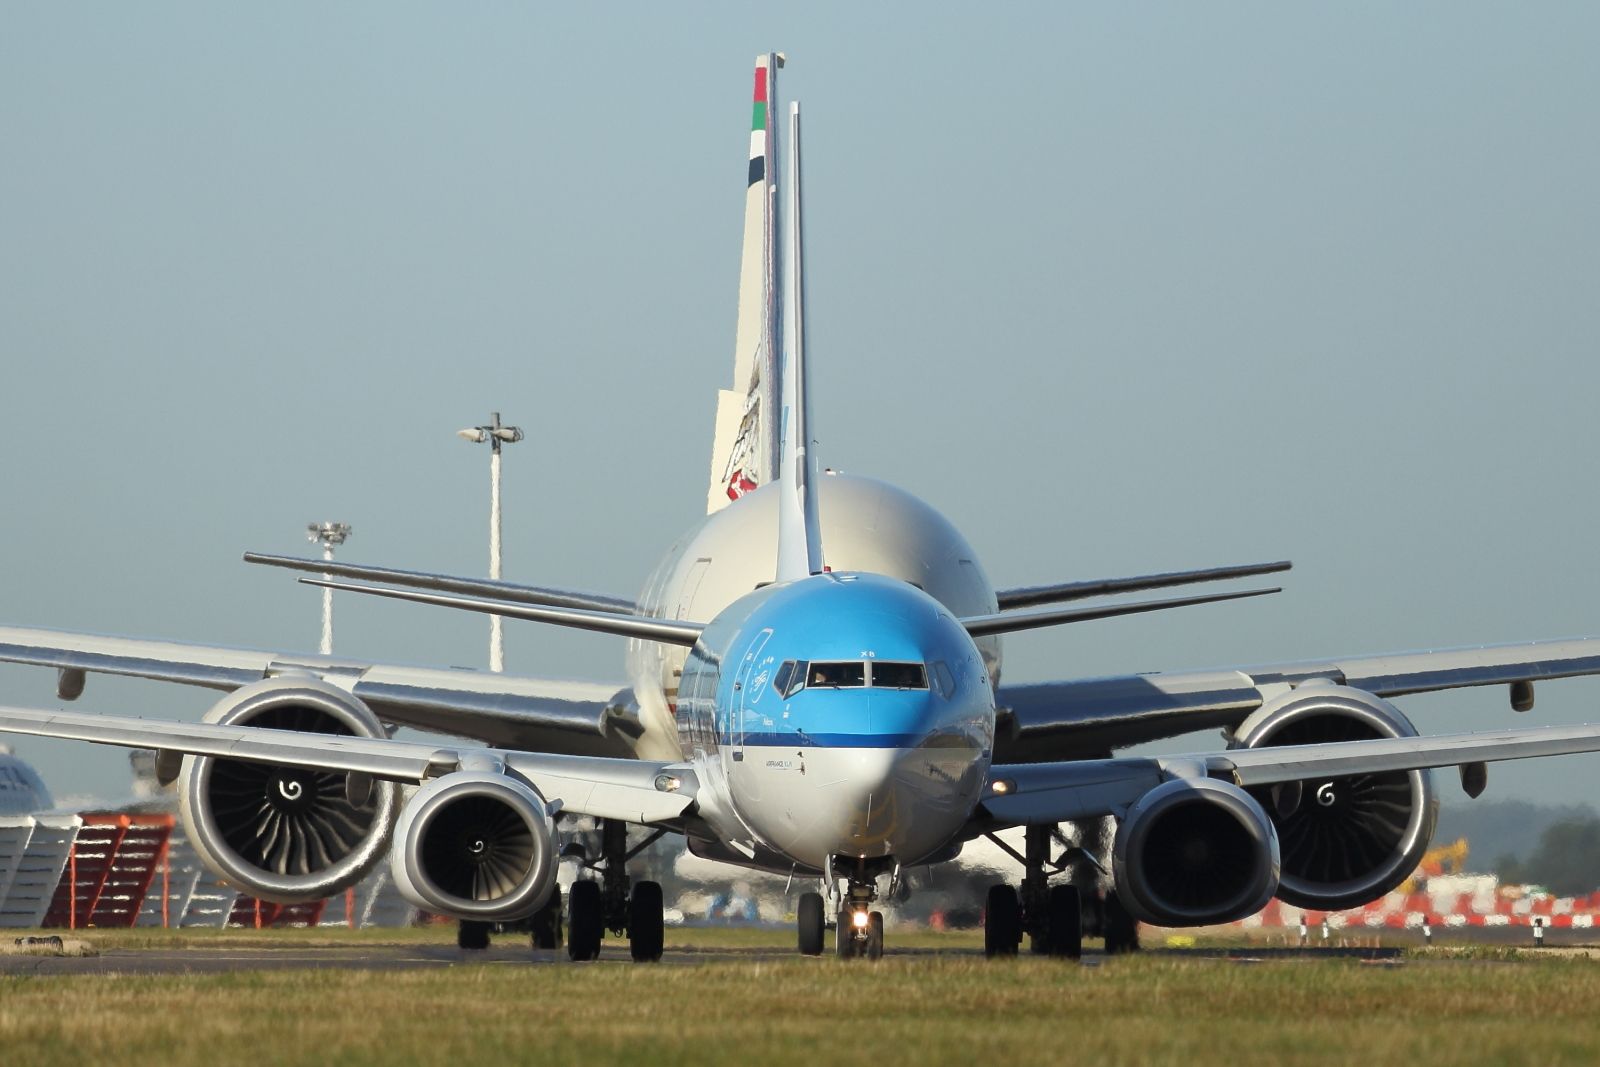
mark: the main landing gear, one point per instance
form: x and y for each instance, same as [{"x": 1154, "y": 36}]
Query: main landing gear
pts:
[
  {"x": 543, "y": 928},
  {"x": 1054, "y": 917},
  {"x": 634, "y": 910}
]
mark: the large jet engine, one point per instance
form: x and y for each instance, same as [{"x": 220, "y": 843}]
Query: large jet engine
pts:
[
  {"x": 476, "y": 845},
  {"x": 1345, "y": 841},
  {"x": 287, "y": 834},
  {"x": 1195, "y": 851}
]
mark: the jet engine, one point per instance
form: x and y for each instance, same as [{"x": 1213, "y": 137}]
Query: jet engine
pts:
[
  {"x": 1348, "y": 840},
  {"x": 476, "y": 845},
  {"x": 1195, "y": 851},
  {"x": 287, "y": 834}
]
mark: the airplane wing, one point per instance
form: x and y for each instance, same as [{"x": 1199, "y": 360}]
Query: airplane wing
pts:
[
  {"x": 450, "y": 583},
  {"x": 641, "y": 791},
  {"x": 578, "y": 718},
  {"x": 1088, "y": 717},
  {"x": 1034, "y": 595},
  {"x": 1086, "y": 789}
]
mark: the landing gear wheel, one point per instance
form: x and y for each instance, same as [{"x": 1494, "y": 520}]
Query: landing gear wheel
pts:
[
  {"x": 1066, "y": 922},
  {"x": 472, "y": 936},
  {"x": 1122, "y": 933},
  {"x": 811, "y": 924},
  {"x": 546, "y": 924},
  {"x": 645, "y": 935},
  {"x": 585, "y": 920},
  {"x": 844, "y": 937},
  {"x": 874, "y": 946},
  {"x": 1002, "y": 926}
]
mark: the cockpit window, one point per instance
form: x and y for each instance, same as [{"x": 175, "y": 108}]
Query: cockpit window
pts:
[
  {"x": 796, "y": 678},
  {"x": 836, "y": 675},
  {"x": 780, "y": 681},
  {"x": 943, "y": 683},
  {"x": 898, "y": 675}
]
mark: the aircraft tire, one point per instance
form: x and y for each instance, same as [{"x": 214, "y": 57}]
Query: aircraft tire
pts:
[
  {"x": 844, "y": 939},
  {"x": 472, "y": 936},
  {"x": 646, "y": 934},
  {"x": 874, "y": 945},
  {"x": 1066, "y": 922},
  {"x": 810, "y": 921},
  {"x": 1122, "y": 933},
  {"x": 585, "y": 921},
  {"x": 545, "y": 932},
  {"x": 1002, "y": 925}
]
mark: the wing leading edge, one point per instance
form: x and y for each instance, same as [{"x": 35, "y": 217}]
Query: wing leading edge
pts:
[
  {"x": 641, "y": 791},
  {"x": 1086, "y": 789},
  {"x": 1067, "y": 719},
  {"x": 582, "y": 718}
]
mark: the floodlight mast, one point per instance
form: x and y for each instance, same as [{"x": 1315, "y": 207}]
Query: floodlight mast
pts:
[
  {"x": 327, "y": 534},
  {"x": 496, "y": 435}
]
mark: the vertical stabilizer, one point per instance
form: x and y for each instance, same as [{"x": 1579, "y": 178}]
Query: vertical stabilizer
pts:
[
  {"x": 799, "y": 531},
  {"x": 745, "y": 449}
]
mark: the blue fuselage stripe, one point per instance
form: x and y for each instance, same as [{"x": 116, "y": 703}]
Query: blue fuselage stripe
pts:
[{"x": 791, "y": 739}]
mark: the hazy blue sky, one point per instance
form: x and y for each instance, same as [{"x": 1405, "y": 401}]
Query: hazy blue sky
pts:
[{"x": 1118, "y": 288}]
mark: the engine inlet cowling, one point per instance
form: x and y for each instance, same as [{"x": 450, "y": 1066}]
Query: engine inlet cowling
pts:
[
  {"x": 1195, "y": 851},
  {"x": 287, "y": 834},
  {"x": 1344, "y": 841},
  {"x": 476, "y": 845}
]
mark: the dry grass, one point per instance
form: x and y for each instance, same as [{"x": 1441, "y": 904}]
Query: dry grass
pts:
[{"x": 922, "y": 1009}]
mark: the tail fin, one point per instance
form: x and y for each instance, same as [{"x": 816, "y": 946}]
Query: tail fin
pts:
[
  {"x": 744, "y": 452},
  {"x": 799, "y": 531}
]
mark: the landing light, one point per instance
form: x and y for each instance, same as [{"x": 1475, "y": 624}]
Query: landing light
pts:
[
  {"x": 667, "y": 783},
  {"x": 1002, "y": 786},
  {"x": 860, "y": 920}
]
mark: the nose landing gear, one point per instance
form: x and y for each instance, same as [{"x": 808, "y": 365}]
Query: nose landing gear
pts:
[{"x": 858, "y": 929}]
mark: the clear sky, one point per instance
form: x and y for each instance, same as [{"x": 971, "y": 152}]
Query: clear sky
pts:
[{"x": 1118, "y": 288}]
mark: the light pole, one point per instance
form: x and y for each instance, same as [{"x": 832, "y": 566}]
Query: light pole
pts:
[
  {"x": 327, "y": 534},
  {"x": 496, "y": 435}
]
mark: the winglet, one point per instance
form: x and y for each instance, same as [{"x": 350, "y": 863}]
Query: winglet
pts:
[{"x": 799, "y": 529}]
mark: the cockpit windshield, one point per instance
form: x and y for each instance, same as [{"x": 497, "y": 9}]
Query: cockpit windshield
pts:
[
  {"x": 795, "y": 675},
  {"x": 850, "y": 673},
  {"x": 898, "y": 675}
]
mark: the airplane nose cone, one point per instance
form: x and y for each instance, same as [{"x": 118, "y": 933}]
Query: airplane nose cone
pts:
[{"x": 865, "y": 802}]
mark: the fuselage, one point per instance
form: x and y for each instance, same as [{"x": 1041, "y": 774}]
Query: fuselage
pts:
[
  {"x": 885, "y": 764},
  {"x": 868, "y": 526}
]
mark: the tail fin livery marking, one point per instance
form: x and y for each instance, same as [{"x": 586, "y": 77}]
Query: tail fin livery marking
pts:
[{"x": 745, "y": 451}]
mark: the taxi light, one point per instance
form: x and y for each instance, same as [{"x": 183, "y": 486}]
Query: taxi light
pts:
[
  {"x": 667, "y": 783},
  {"x": 860, "y": 919}
]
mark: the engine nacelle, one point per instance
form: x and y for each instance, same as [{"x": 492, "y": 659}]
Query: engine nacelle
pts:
[
  {"x": 1345, "y": 841},
  {"x": 476, "y": 845},
  {"x": 287, "y": 834},
  {"x": 1195, "y": 851}
]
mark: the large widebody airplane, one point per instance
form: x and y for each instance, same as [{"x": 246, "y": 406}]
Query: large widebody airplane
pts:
[{"x": 814, "y": 688}]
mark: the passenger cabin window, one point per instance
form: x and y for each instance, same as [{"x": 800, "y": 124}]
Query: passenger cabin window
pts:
[
  {"x": 849, "y": 674},
  {"x": 898, "y": 675}
]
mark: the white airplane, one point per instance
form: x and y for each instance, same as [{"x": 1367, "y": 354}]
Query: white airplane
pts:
[
  {"x": 814, "y": 689},
  {"x": 22, "y": 791}
]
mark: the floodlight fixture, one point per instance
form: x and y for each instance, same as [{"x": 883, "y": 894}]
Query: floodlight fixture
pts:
[{"x": 496, "y": 435}]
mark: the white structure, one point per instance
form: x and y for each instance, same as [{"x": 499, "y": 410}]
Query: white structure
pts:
[
  {"x": 33, "y": 853},
  {"x": 327, "y": 534},
  {"x": 496, "y": 435}
]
